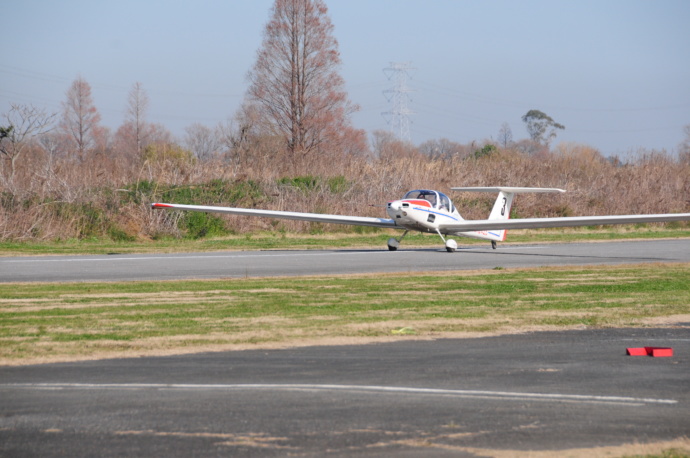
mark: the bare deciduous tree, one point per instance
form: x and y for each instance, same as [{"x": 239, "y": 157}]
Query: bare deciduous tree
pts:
[
  {"x": 23, "y": 122},
  {"x": 684, "y": 147},
  {"x": 388, "y": 147},
  {"x": 80, "y": 118},
  {"x": 442, "y": 149},
  {"x": 135, "y": 134},
  {"x": 505, "y": 135},
  {"x": 203, "y": 141},
  {"x": 137, "y": 106},
  {"x": 294, "y": 83}
]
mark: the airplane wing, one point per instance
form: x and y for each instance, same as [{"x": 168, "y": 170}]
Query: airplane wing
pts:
[
  {"x": 534, "y": 223},
  {"x": 315, "y": 217}
]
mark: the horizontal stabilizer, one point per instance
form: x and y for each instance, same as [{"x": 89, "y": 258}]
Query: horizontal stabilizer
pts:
[{"x": 506, "y": 189}]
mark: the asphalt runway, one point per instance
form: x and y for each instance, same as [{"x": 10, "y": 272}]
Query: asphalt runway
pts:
[
  {"x": 547, "y": 391},
  {"x": 241, "y": 264}
]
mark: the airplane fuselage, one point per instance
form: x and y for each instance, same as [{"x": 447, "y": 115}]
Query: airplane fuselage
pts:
[
  {"x": 430, "y": 211},
  {"x": 420, "y": 215}
]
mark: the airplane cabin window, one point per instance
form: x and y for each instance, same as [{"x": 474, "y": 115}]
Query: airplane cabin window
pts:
[
  {"x": 445, "y": 202},
  {"x": 431, "y": 197}
]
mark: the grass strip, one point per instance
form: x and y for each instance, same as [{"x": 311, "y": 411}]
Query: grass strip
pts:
[{"x": 59, "y": 322}]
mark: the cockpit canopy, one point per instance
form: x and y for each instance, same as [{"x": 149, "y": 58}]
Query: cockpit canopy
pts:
[{"x": 436, "y": 199}]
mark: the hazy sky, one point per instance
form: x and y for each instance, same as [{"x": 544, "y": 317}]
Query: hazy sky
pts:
[{"x": 616, "y": 73}]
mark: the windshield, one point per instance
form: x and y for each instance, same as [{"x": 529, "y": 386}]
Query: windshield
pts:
[
  {"x": 435, "y": 198},
  {"x": 422, "y": 194}
]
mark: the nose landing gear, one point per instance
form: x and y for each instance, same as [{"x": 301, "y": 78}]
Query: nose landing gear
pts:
[{"x": 394, "y": 243}]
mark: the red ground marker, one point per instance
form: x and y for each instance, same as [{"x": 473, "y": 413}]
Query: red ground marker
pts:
[
  {"x": 637, "y": 352},
  {"x": 651, "y": 351}
]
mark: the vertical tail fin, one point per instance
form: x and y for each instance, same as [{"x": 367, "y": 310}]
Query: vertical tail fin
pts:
[{"x": 501, "y": 208}]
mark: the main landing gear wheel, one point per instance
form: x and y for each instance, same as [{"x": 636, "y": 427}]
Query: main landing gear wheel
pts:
[
  {"x": 451, "y": 245},
  {"x": 493, "y": 244}
]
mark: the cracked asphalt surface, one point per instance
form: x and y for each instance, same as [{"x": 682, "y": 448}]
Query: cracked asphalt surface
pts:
[{"x": 450, "y": 397}]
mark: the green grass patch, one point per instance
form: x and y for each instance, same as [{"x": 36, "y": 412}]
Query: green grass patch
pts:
[{"x": 41, "y": 322}]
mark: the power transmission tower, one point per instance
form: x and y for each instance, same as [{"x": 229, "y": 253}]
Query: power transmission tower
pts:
[{"x": 398, "y": 117}]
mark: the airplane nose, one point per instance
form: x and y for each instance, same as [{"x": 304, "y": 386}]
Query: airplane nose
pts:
[
  {"x": 395, "y": 210},
  {"x": 395, "y": 206}
]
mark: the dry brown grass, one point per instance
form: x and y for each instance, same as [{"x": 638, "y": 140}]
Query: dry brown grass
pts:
[{"x": 35, "y": 205}]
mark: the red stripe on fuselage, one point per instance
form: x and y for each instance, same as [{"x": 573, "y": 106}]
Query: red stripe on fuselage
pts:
[{"x": 419, "y": 202}]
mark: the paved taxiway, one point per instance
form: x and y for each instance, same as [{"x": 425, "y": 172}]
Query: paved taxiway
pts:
[
  {"x": 336, "y": 262},
  {"x": 449, "y": 397}
]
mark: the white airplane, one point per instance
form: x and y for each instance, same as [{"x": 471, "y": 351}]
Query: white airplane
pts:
[{"x": 431, "y": 211}]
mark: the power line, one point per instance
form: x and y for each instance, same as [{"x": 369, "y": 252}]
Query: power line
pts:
[{"x": 448, "y": 92}]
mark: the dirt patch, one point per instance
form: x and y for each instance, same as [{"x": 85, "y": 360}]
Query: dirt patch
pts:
[
  {"x": 445, "y": 442},
  {"x": 652, "y": 448},
  {"x": 235, "y": 440},
  {"x": 82, "y": 301}
]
